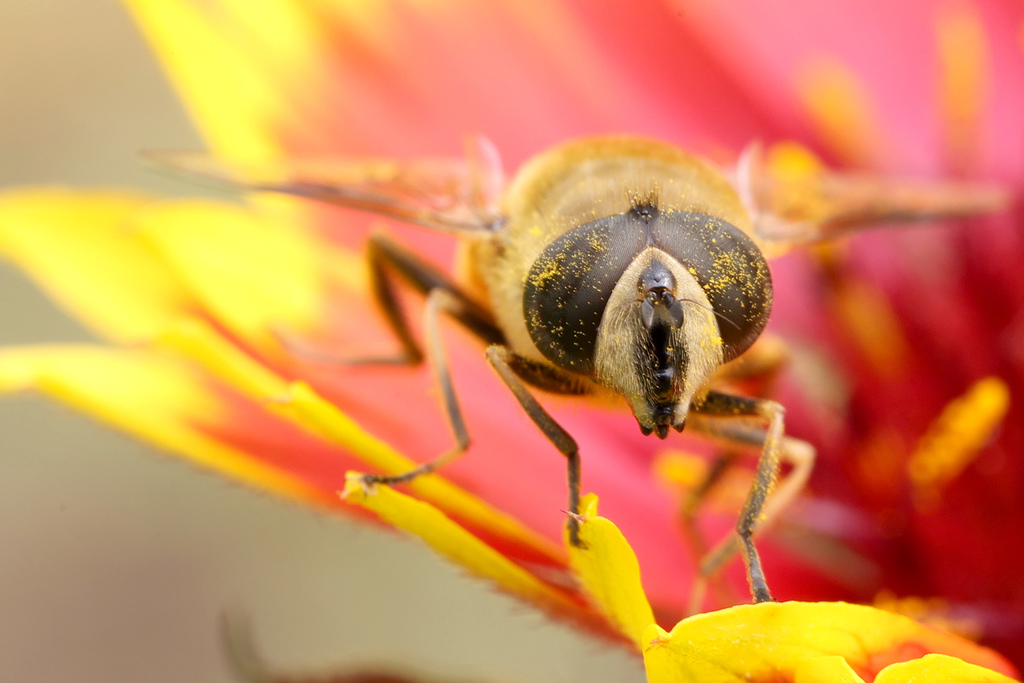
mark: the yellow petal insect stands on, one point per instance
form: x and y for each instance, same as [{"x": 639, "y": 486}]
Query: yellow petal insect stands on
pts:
[
  {"x": 804, "y": 642},
  {"x": 609, "y": 572}
]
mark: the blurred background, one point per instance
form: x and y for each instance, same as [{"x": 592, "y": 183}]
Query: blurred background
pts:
[{"x": 116, "y": 563}]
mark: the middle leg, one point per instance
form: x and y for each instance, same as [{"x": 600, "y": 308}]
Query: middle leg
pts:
[
  {"x": 438, "y": 301},
  {"x": 730, "y": 419}
]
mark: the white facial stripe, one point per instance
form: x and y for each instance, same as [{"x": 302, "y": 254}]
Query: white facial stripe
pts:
[{"x": 621, "y": 329}]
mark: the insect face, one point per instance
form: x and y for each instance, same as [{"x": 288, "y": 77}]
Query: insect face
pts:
[
  {"x": 650, "y": 349},
  {"x": 649, "y": 303}
]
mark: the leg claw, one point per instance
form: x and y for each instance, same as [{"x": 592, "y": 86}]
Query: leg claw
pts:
[{"x": 367, "y": 482}]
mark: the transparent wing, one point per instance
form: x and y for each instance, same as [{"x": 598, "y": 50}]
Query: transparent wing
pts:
[
  {"x": 795, "y": 200},
  {"x": 451, "y": 195}
]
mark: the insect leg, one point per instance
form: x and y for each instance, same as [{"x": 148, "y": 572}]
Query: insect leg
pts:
[
  {"x": 758, "y": 510},
  {"x": 424, "y": 277},
  {"x": 505, "y": 362},
  {"x": 386, "y": 256},
  {"x": 381, "y": 253},
  {"x": 438, "y": 301}
]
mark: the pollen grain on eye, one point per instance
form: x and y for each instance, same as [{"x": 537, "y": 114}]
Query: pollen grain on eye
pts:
[
  {"x": 840, "y": 109},
  {"x": 963, "y": 55},
  {"x": 956, "y": 438}
]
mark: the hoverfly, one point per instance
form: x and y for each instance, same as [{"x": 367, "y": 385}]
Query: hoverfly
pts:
[{"x": 610, "y": 265}]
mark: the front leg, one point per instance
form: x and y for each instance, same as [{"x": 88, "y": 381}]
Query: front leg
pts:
[
  {"x": 385, "y": 255},
  {"x": 509, "y": 367},
  {"x": 388, "y": 261}
]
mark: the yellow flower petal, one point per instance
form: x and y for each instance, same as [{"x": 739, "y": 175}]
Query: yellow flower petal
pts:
[
  {"x": 770, "y": 641},
  {"x": 610, "y": 574},
  {"x": 300, "y": 405},
  {"x": 830, "y": 669},
  {"x": 82, "y": 250},
  {"x": 252, "y": 274},
  {"x": 935, "y": 667},
  {"x": 455, "y": 543},
  {"x": 155, "y": 399},
  {"x": 233, "y": 94}
]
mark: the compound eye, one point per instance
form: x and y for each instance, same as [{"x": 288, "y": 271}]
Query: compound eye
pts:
[
  {"x": 570, "y": 283},
  {"x": 729, "y": 268},
  {"x": 568, "y": 288}
]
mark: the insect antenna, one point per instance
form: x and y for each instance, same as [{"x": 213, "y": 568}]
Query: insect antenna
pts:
[{"x": 711, "y": 310}]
